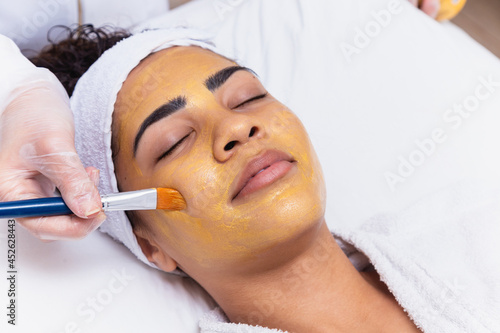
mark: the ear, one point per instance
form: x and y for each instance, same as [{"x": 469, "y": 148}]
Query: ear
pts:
[{"x": 154, "y": 253}]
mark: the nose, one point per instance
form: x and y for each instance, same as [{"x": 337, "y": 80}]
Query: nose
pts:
[{"x": 234, "y": 131}]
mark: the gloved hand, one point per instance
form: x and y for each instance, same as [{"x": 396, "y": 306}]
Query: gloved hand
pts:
[{"x": 37, "y": 154}]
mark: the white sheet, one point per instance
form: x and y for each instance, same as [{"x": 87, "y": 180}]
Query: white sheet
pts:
[
  {"x": 361, "y": 116},
  {"x": 27, "y": 22}
]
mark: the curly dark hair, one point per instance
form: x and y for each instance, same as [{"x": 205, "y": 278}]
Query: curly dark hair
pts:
[{"x": 79, "y": 48}]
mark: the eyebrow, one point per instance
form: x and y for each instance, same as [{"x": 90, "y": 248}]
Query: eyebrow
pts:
[
  {"x": 218, "y": 79},
  {"x": 161, "y": 112}
]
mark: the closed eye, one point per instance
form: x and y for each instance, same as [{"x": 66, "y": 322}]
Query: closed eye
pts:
[
  {"x": 171, "y": 150},
  {"x": 251, "y": 100}
]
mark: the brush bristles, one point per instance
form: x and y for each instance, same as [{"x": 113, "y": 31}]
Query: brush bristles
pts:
[{"x": 168, "y": 198}]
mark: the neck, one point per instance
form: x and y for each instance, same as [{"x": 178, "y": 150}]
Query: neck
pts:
[{"x": 320, "y": 286}]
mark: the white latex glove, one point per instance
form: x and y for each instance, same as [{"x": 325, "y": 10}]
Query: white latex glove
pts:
[
  {"x": 37, "y": 154},
  {"x": 430, "y": 7}
]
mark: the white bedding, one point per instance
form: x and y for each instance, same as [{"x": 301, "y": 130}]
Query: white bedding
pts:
[{"x": 363, "y": 115}]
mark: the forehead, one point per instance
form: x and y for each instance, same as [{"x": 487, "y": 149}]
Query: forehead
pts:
[
  {"x": 180, "y": 70},
  {"x": 176, "y": 67}
]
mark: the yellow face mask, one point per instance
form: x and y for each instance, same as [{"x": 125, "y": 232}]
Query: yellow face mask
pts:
[{"x": 189, "y": 119}]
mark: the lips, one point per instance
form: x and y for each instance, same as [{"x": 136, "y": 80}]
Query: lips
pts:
[{"x": 262, "y": 171}]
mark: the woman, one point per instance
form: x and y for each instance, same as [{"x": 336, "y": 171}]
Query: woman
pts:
[
  {"x": 51, "y": 106},
  {"x": 253, "y": 233},
  {"x": 255, "y": 198},
  {"x": 258, "y": 245}
]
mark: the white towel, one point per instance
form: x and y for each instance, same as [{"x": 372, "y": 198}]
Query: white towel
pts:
[
  {"x": 215, "y": 322},
  {"x": 93, "y": 102},
  {"x": 439, "y": 257}
]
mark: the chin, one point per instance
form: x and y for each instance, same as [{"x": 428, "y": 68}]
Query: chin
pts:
[
  {"x": 290, "y": 211},
  {"x": 270, "y": 232},
  {"x": 304, "y": 209},
  {"x": 296, "y": 223}
]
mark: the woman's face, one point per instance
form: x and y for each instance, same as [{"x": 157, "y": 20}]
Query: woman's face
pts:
[{"x": 191, "y": 120}]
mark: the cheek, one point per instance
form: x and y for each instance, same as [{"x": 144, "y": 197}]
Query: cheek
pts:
[
  {"x": 128, "y": 174},
  {"x": 308, "y": 188},
  {"x": 182, "y": 237},
  {"x": 294, "y": 138},
  {"x": 203, "y": 184}
]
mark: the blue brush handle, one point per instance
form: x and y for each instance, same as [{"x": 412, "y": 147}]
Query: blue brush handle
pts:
[{"x": 34, "y": 207}]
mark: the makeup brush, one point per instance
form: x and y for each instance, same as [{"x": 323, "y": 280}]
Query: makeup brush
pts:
[{"x": 154, "y": 198}]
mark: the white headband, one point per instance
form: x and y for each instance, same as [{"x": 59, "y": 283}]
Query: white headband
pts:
[{"x": 93, "y": 103}]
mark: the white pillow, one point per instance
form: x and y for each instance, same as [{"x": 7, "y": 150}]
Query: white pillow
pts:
[{"x": 361, "y": 115}]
